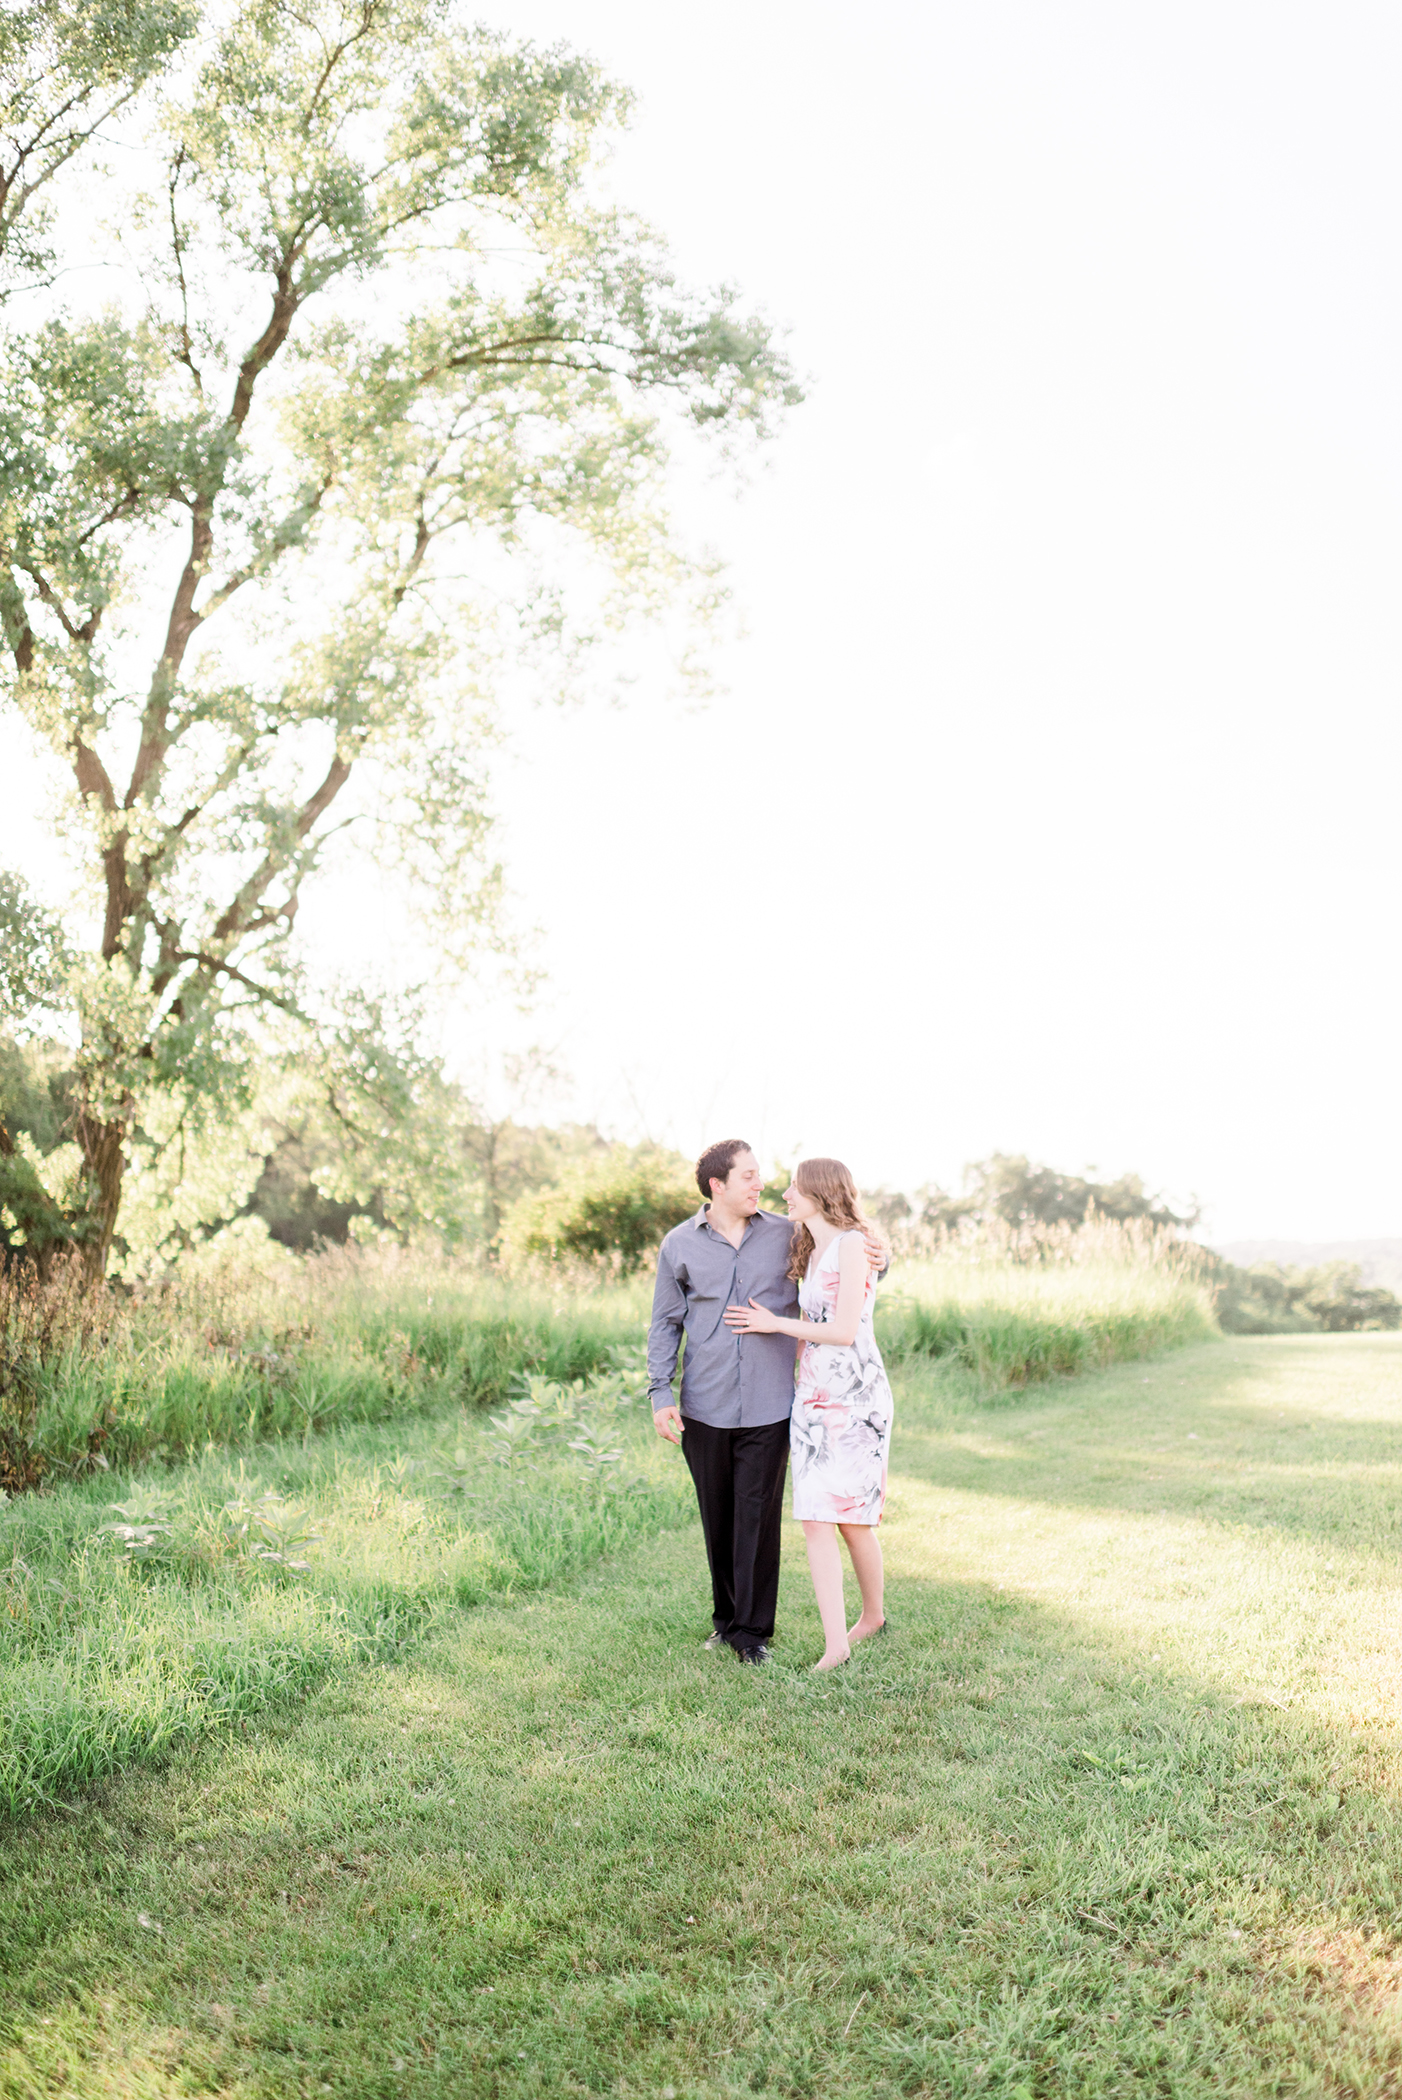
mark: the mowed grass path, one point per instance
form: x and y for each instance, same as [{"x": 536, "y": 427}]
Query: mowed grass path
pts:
[{"x": 1113, "y": 1810}]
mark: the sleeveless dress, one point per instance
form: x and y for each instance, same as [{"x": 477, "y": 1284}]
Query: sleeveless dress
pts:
[{"x": 840, "y": 1431}]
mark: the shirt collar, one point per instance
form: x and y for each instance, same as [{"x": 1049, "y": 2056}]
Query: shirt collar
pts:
[{"x": 703, "y": 1218}]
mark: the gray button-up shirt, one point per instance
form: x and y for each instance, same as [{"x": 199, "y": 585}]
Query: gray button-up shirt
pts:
[{"x": 731, "y": 1381}]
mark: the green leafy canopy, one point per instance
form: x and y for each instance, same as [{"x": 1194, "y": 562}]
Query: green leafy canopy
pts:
[{"x": 379, "y": 403}]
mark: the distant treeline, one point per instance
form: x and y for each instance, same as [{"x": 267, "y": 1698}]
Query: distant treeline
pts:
[
  {"x": 386, "y": 1151},
  {"x": 1009, "y": 1189},
  {"x": 1027, "y": 1202}
]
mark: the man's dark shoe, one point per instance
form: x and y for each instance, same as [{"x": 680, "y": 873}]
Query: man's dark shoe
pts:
[{"x": 756, "y": 1655}]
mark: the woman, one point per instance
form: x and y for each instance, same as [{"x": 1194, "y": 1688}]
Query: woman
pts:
[{"x": 840, "y": 1434}]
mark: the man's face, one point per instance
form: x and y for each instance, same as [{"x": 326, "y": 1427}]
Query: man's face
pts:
[{"x": 742, "y": 1185}]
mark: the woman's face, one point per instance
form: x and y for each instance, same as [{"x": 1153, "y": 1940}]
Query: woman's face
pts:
[{"x": 800, "y": 1207}]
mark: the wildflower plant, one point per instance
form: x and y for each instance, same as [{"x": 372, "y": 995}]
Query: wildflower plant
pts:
[
  {"x": 271, "y": 1531},
  {"x": 575, "y": 1422},
  {"x": 145, "y": 1529}
]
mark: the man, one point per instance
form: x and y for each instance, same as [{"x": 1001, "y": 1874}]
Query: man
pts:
[{"x": 737, "y": 1389}]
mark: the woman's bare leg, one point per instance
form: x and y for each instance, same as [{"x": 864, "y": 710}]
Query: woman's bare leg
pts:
[
  {"x": 825, "y": 1566},
  {"x": 865, "y": 1549}
]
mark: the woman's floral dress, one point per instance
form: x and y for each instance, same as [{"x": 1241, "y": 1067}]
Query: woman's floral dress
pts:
[{"x": 840, "y": 1434}]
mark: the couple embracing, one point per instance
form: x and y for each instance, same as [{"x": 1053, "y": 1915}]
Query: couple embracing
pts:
[{"x": 745, "y": 1287}]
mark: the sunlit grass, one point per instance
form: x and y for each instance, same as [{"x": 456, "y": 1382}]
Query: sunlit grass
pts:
[
  {"x": 106, "y": 1662},
  {"x": 1112, "y": 1811}
]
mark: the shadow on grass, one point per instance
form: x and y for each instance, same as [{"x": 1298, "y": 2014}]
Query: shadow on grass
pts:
[{"x": 1239, "y": 1432}]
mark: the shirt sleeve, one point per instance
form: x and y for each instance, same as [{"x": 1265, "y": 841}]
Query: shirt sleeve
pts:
[{"x": 664, "y": 1336}]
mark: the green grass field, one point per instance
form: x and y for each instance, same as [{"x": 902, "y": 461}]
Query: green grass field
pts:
[
  {"x": 110, "y": 1658},
  {"x": 1113, "y": 1809}
]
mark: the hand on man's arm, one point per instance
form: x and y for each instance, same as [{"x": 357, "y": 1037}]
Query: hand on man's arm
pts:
[{"x": 878, "y": 1254}]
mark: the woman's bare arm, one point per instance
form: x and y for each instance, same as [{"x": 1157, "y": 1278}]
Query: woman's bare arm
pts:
[{"x": 840, "y": 1330}]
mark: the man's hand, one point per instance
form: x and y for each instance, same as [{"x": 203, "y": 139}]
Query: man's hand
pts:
[
  {"x": 877, "y": 1253},
  {"x": 667, "y": 1421}
]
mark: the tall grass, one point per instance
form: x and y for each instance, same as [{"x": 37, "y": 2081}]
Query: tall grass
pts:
[
  {"x": 1016, "y": 1306},
  {"x": 232, "y": 1358},
  {"x": 94, "y": 1381}
]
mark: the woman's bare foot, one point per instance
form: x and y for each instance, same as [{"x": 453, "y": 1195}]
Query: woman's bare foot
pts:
[
  {"x": 865, "y": 1626},
  {"x": 832, "y": 1662}
]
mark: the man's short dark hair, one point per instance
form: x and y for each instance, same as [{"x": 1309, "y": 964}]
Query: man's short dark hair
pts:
[{"x": 716, "y": 1162}]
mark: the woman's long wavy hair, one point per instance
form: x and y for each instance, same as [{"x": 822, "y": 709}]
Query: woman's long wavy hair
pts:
[{"x": 829, "y": 1184}]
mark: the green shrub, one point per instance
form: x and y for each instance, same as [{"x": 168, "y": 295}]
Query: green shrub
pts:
[{"x": 614, "y": 1213}]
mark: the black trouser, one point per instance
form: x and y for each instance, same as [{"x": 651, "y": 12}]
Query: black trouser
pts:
[{"x": 739, "y": 1476}]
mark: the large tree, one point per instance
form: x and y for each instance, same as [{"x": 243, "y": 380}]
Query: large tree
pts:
[{"x": 382, "y": 396}]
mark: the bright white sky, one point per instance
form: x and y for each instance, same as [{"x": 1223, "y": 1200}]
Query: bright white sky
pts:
[{"x": 1052, "y": 805}]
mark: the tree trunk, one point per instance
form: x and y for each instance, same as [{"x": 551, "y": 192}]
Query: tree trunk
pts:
[{"x": 103, "y": 1149}]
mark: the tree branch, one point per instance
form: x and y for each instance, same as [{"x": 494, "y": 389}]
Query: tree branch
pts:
[
  {"x": 11, "y": 206},
  {"x": 51, "y": 599},
  {"x": 232, "y": 922},
  {"x": 215, "y": 965},
  {"x": 19, "y": 634},
  {"x": 285, "y": 535},
  {"x": 229, "y": 774},
  {"x": 184, "y": 620},
  {"x": 286, "y": 300},
  {"x": 123, "y": 509},
  {"x": 91, "y": 775},
  {"x": 186, "y": 356},
  {"x": 369, "y": 10}
]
